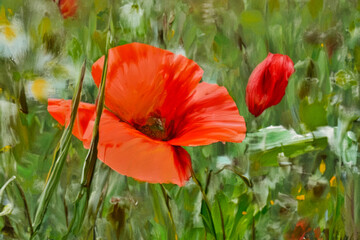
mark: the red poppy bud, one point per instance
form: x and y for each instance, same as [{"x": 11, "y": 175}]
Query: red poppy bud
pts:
[
  {"x": 67, "y": 7},
  {"x": 267, "y": 83}
]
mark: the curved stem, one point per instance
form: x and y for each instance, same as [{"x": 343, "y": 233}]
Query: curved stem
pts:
[
  {"x": 167, "y": 202},
  {"x": 200, "y": 187},
  {"x": 27, "y": 212},
  {"x": 206, "y": 200}
]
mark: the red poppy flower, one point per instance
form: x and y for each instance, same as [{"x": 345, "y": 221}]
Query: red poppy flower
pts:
[
  {"x": 67, "y": 7},
  {"x": 302, "y": 231},
  {"x": 267, "y": 83},
  {"x": 155, "y": 104}
]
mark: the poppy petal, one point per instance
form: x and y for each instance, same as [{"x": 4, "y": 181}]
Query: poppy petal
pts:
[
  {"x": 131, "y": 153},
  {"x": 143, "y": 79},
  {"x": 123, "y": 148},
  {"x": 60, "y": 109},
  {"x": 210, "y": 116}
]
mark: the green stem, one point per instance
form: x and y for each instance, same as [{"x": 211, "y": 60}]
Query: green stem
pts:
[
  {"x": 82, "y": 200},
  {"x": 222, "y": 220},
  {"x": 97, "y": 214},
  {"x": 60, "y": 156},
  {"x": 2, "y": 189},
  {"x": 27, "y": 212},
  {"x": 253, "y": 228},
  {"x": 207, "y": 203},
  {"x": 167, "y": 202},
  {"x": 200, "y": 187}
]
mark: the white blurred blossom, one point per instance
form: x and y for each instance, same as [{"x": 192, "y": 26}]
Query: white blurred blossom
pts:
[
  {"x": 131, "y": 15},
  {"x": 13, "y": 40}
]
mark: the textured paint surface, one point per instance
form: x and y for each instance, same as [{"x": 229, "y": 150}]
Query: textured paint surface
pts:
[{"x": 295, "y": 175}]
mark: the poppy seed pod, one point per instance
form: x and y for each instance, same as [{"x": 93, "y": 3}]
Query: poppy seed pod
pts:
[
  {"x": 267, "y": 83},
  {"x": 155, "y": 104}
]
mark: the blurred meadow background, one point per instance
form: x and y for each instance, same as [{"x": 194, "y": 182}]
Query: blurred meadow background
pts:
[{"x": 296, "y": 174}]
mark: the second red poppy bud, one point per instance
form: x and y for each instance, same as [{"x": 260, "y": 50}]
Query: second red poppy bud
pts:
[
  {"x": 267, "y": 83},
  {"x": 67, "y": 8}
]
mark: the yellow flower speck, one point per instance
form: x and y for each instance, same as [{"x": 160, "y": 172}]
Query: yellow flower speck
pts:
[
  {"x": 300, "y": 197},
  {"x": 322, "y": 167},
  {"x": 5, "y": 149},
  {"x": 9, "y": 33},
  {"x": 333, "y": 182},
  {"x": 40, "y": 88}
]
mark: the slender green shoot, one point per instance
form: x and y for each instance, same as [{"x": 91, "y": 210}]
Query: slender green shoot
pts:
[
  {"x": 82, "y": 199},
  {"x": 60, "y": 156},
  {"x": 167, "y": 202},
  {"x": 207, "y": 205}
]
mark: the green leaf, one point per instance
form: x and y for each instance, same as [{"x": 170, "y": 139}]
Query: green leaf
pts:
[
  {"x": 44, "y": 26},
  {"x": 75, "y": 49},
  {"x": 238, "y": 172},
  {"x": 313, "y": 114},
  {"x": 158, "y": 231},
  {"x": 267, "y": 145},
  {"x": 207, "y": 218},
  {"x": 240, "y": 220}
]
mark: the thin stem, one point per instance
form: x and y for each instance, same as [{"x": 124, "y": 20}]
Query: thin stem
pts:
[
  {"x": 27, "y": 212},
  {"x": 167, "y": 202},
  {"x": 253, "y": 229},
  {"x": 222, "y": 220},
  {"x": 207, "y": 203},
  {"x": 60, "y": 156},
  {"x": 53, "y": 161},
  {"x": 200, "y": 187},
  {"x": 99, "y": 205},
  {"x": 82, "y": 200},
  {"x": 66, "y": 212},
  {"x": 208, "y": 178},
  {"x": 2, "y": 189}
]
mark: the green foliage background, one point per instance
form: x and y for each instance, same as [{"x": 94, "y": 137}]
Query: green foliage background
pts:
[{"x": 300, "y": 159}]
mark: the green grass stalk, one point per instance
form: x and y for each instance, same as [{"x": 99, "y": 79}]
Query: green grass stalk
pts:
[
  {"x": 60, "y": 156},
  {"x": 82, "y": 199}
]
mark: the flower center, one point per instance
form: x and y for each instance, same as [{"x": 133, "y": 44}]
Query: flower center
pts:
[{"x": 154, "y": 128}]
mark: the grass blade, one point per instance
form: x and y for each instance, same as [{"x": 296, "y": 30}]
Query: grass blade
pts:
[
  {"x": 81, "y": 202},
  {"x": 27, "y": 212},
  {"x": 82, "y": 199},
  {"x": 60, "y": 156}
]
